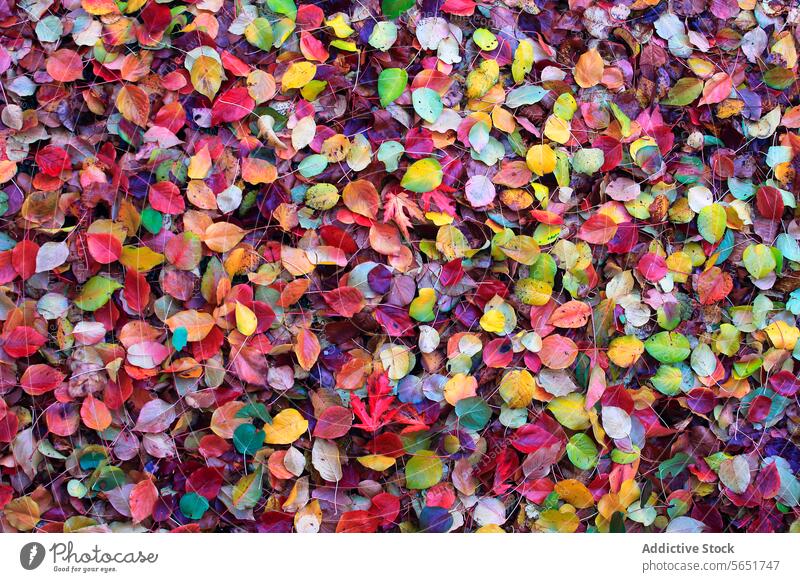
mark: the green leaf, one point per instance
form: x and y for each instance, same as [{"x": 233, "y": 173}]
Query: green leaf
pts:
[
  {"x": 759, "y": 261},
  {"x": 617, "y": 522},
  {"x": 582, "y": 451},
  {"x": 247, "y": 491},
  {"x": 391, "y": 84},
  {"x": 259, "y": 33},
  {"x": 427, "y": 104},
  {"x": 684, "y": 92},
  {"x": 285, "y": 7},
  {"x": 423, "y": 176},
  {"x": 667, "y": 380},
  {"x": 96, "y": 293},
  {"x": 152, "y": 220},
  {"x": 588, "y": 160},
  {"x": 526, "y": 95},
  {"x": 389, "y": 153},
  {"x": 394, "y": 8},
  {"x": 473, "y": 413},
  {"x": 779, "y": 78},
  {"x": 668, "y": 347},
  {"x": 247, "y": 439},
  {"x": 711, "y": 222},
  {"x": 193, "y": 506},
  {"x": 423, "y": 470},
  {"x": 312, "y": 165},
  {"x": 383, "y": 35},
  {"x": 674, "y": 466},
  {"x": 485, "y": 39}
]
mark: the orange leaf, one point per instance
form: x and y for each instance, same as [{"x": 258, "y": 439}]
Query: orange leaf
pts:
[
  {"x": 198, "y": 324},
  {"x": 558, "y": 352},
  {"x": 362, "y": 198},
  {"x": 221, "y": 237},
  {"x": 134, "y": 105},
  {"x": 572, "y": 315},
  {"x": 95, "y": 414},
  {"x": 306, "y": 348},
  {"x": 589, "y": 69}
]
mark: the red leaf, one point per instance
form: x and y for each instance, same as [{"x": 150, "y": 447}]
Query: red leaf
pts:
[
  {"x": 653, "y": 267},
  {"x": 571, "y": 315},
  {"x": 232, "y": 105},
  {"x": 52, "y": 160},
  {"x": 612, "y": 148},
  {"x": 205, "y": 481},
  {"x": 142, "y": 500},
  {"x": 104, "y": 247},
  {"x": 598, "y": 230},
  {"x": 769, "y": 203},
  {"x": 166, "y": 197},
  {"x": 346, "y": 301},
  {"x": 333, "y": 423},
  {"x": 23, "y": 257},
  {"x": 712, "y": 285},
  {"x": 785, "y": 383},
  {"x": 385, "y": 507},
  {"x": 716, "y": 89},
  {"x": 23, "y": 341},
  {"x": 62, "y": 418},
  {"x": 544, "y": 432},
  {"x": 39, "y": 379},
  {"x": 359, "y": 521},
  {"x": 498, "y": 353},
  {"x": 136, "y": 291},
  {"x": 768, "y": 481}
]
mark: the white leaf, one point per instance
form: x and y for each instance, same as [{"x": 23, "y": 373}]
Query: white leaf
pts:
[
  {"x": 326, "y": 459},
  {"x": 51, "y": 255}
]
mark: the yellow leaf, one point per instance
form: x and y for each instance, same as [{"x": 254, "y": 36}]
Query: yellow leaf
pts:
[
  {"x": 199, "y": 164},
  {"x": 246, "y": 321},
  {"x": 298, "y": 75},
  {"x": 541, "y": 159},
  {"x": 459, "y": 387},
  {"x": 206, "y": 75},
  {"x": 570, "y": 411},
  {"x": 575, "y": 493},
  {"x": 557, "y": 129},
  {"x": 141, "y": 259},
  {"x": 287, "y": 426},
  {"x": 782, "y": 335},
  {"x": 340, "y": 25},
  {"x": 533, "y": 291},
  {"x": 625, "y": 351},
  {"x": 376, "y": 462},
  {"x": 589, "y": 69},
  {"x": 22, "y": 513},
  {"x": 517, "y": 388},
  {"x": 523, "y": 61},
  {"x": 490, "y": 527},
  {"x": 493, "y": 321}
]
